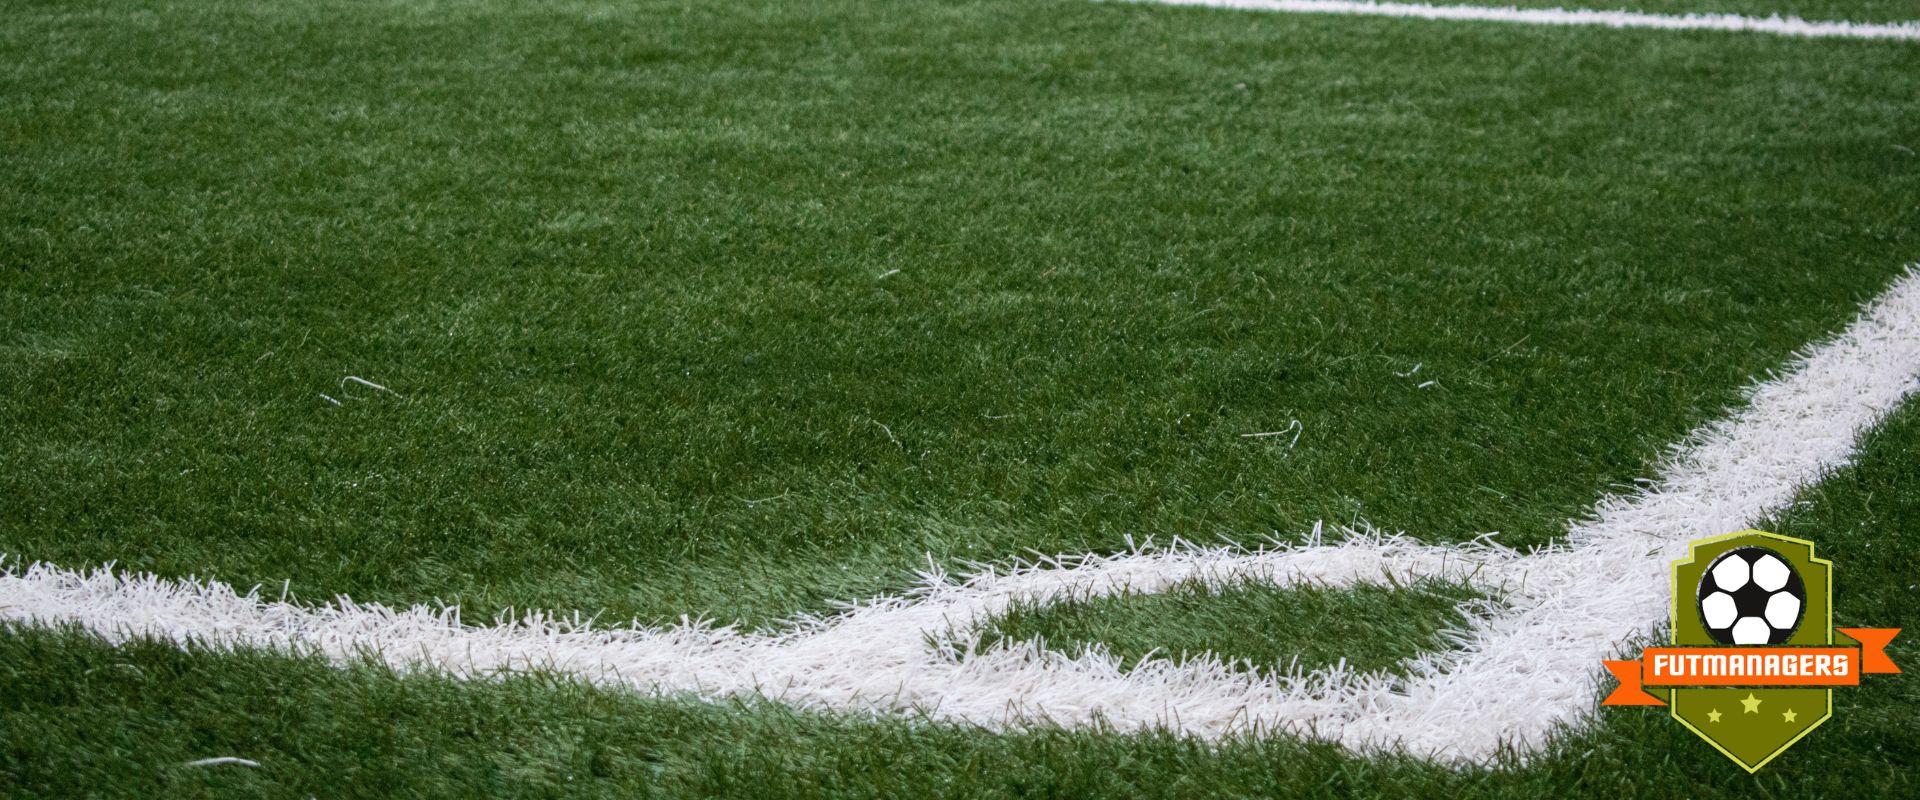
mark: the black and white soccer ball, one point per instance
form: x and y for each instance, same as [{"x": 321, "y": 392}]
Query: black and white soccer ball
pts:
[{"x": 1751, "y": 595}]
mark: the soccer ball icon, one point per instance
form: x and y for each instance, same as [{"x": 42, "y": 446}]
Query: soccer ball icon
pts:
[{"x": 1750, "y": 595}]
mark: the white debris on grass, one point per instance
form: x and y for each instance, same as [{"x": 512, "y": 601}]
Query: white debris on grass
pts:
[{"x": 222, "y": 761}]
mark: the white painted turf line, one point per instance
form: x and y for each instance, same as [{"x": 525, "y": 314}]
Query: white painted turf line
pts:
[
  {"x": 1524, "y": 665},
  {"x": 1784, "y": 26}
]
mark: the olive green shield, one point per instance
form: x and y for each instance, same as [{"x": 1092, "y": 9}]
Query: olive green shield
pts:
[{"x": 1752, "y": 726}]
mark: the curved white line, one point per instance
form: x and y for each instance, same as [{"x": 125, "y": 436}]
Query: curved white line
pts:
[
  {"x": 1783, "y": 26},
  {"x": 1523, "y": 667}
]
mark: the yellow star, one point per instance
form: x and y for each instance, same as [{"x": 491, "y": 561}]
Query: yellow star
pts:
[
  {"x": 1713, "y": 716},
  {"x": 1752, "y": 703},
  {"x": 1789, "y": 715}
]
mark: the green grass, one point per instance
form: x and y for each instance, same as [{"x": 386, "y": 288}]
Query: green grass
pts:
[
  {"x": 629, "y": 270},
  {"x": 80, "y": 718},
  {"x": 736, "y": 309},
  {"x": 1249, "y": 625}
]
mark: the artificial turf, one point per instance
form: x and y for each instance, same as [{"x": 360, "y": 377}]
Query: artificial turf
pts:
[
  {"x": 1248, "y": 625},
  {"x": 736, "y": 309},
  {"x": 80, "y": 718}
]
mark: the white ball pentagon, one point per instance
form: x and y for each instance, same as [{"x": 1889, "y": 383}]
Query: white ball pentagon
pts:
[
  {"x": 1770, "y": 572},
  {"x": 1719, "y": 610},
  {"x": 1783, "y": 611},
  {"x": 1751, "y": 630},
  {"x": 1730, "y": 574}
]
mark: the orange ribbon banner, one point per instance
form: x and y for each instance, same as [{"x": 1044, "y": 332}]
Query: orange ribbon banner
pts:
[{"x": 1751, "y": 666}]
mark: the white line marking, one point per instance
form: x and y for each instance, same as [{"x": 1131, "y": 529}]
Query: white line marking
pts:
[
  {"x": 1524, "y": 665},
  {"x": 1784, "y": 26}
]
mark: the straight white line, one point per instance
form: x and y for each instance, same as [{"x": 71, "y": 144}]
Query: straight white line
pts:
[
  {"x": 1784, "y": 26},
  {"x": 1524, "y": 665}
]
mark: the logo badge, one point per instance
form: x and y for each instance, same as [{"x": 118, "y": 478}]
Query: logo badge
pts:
[{"x": 1754, "y": 658}]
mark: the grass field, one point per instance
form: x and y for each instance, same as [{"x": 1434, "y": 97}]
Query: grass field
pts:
[
  {"x": 739, "y": 310},
  {"x": 80, "y": 716}
]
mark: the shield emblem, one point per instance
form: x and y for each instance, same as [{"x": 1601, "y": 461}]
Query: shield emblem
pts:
[{"x": 1752, "y": 589}]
